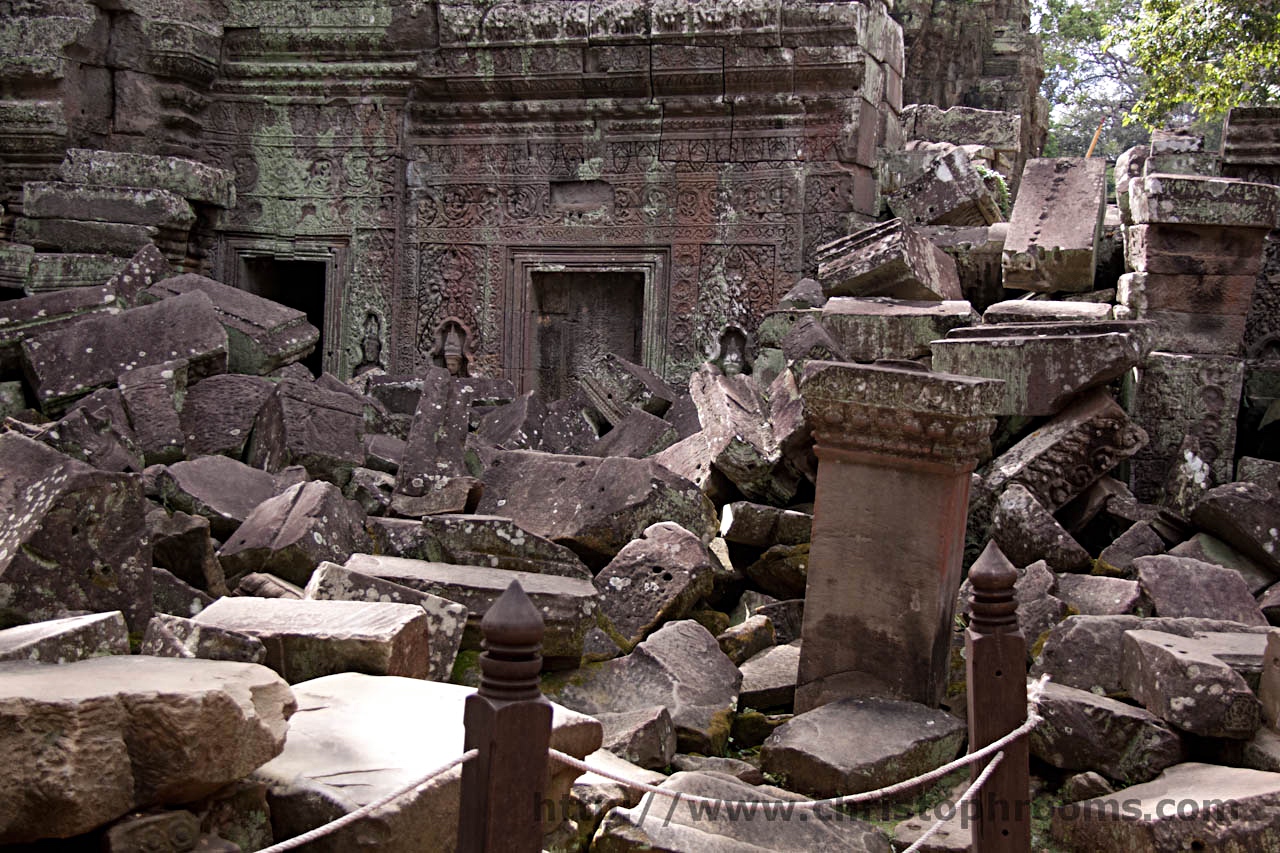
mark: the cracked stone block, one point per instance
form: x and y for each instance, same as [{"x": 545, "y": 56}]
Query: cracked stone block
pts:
[
  {"x": 1181, "y": 586},
  {"x": 290, "y": 534},
  {"x": 1026, "y": 532},
  {"x": 615, "y": 386},
  {"x": 475, "y": 540},
  {"x": 769, "y": 677},
  {"x": 70, "y": 235},
  {"x": 188, "y": 178},
  {"x": 217, "y": 488},
  {"x": 761, "y": 526},
  {"x": 178, "y": 637},
  {"x": 1182, "y": 683},
  {"x": 45, "y": 312},
  {"x": 304, "y": 424},
  {"x": 133, "y": 205},
  {"x": 1090, "y": 595},
  {"x": 307, "y": 639},
  {"x": 66, "y": 640},
  {"x": 152, "y": 396},
  {"x": 433, "y": 475},
  {"x": 72, "y": 361},
  {"x": 446, "y": 619},
  {"x": 948, "y": 191},
  {"x": 1056, "y": 224},
  {"x": 640, "y": 434},
  {"x": 890, "y": 259},
  {"x": 568, "y": 605},
  {"x": 1245, "y": 516},
  {"x": 873, "y": 328},
  {"x": 645, "y": 737},
  {"x": 219, "y": 411}
]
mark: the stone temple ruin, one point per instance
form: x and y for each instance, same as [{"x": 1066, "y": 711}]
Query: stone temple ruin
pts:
[{"x": 735, "y": 330}]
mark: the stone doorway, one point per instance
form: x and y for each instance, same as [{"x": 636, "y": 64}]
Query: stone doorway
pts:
[
  {"x": 581, "y": 317},
  {"x": 297, "y": 284}
]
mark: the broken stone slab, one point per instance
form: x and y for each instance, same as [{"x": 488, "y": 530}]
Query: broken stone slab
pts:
[
  {"x": 1199, "y": 200},
  {"x": 177, "y": 637},
  {"x": 433, "y": 475},
  {"x": 516, "y": 425},
  {"x": 1140, "y": 540},
  {"x": 614, "y": 386},
  {"x": 639, "y": 434},
  {"x": 383, "y": 452},
  {"x": 1026, "y": 532},
  {"x": 290, "y": 534},
  {"x": 1091, "y": 595},
  {"x": 263, "y": 585},
  {"x": 890, "y": 259},
  {"x": 94, "y": 435},
  {"x": 144, "y": 269},
  {"x": 446, "y": 620},
  {"x": 359, "y": 737},
  {"x": 947, "y": 191},
  {"x": 808, "y": 340},
  {"x": 740, "y": 770},
  {"x": 61, "y": 270},
  {"x": 44, "y": 312},
  {"x": 1243, "y": 652},
  {"x": 152, "y": 396},
  {"x": 75, "y": 537},
  {"x": 1042, "y": 371},
  {"x": 171, "y": 594},
  {"x": 475, "y": 540},
  {"x": 188, "y": 178},
  {"x": 1245, "y": 516},
  {"x": 680, "y": 667},
  {"x": 568, "y": 605},
  {"x": 1056, "y": 224},
  {"x": 645, "y": 737},
  {"x": 1179, "y": 681},
  {"x": 853, "y": 745},
  {"x": 685, "y": 827},
  {"x": 769, "y": 677},
  {"x": 303, "y": 424},
  {"x": 222, "y": 490},
  {"x": 1045, "y": 311},
  {"x": 110, "y": 711},
  {"x": 1217, "y": 808},
  {"x": 72, "y": 361},
  {"x": 70, "y": 235},
  {"x": 746, "y": 639},
  {"x": 132, "y": 205},
  {"x": 262, "y": 335},
  {"x": 782, "y": 570},
  {"x": 874, "y": 328},
  {"x": 1082, "y": 731},
  {"x": 15, "y": 265},
  {"x": 309, "y": 639},
  {"x": 593, "y": 506},
  {"x": 66, "y": 640},
  {"x": 1181, "y": 586},
  {"x": 655, "y": 578},
  {"x": 569, "y": 426},
  {"x": 761, "y": 526},
  {"x": 219, "y": 411}
]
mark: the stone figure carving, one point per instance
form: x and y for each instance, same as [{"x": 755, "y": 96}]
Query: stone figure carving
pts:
[
  {"x": 370, "y": 346},
  {"x": 453, "y": 347},
  {"x": 733, "y": 351}
]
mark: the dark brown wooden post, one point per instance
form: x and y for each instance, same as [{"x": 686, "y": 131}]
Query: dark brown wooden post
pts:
[
  {"x": 997, "y": 678},
  {"x": 509, "y": 721}
]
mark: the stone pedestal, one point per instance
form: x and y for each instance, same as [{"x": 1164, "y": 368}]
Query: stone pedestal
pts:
[{"x": 895, "y": 449}]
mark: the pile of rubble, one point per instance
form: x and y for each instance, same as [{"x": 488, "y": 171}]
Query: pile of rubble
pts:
[{"x": 302, "y": 555}]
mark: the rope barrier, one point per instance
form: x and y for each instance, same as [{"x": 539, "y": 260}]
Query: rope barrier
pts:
[
  {"x": 961, "y": 804},
  {"x": 333, "y": 826}
]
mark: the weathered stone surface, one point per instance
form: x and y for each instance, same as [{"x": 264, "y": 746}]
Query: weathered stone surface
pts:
[
  {"x": 152, "y": 395},
  {"x": 769, "y": 678},
  {"x": 371, "y": 489},
  {"x": 645, "y": 737},
  {"x": 679, "y": 667},
  {"x": 782, "y": 570},
  {"x": 220, "y": 489},
  {"x": 1026, "y": 532},
  {"x": 135, "y": 732},
  {"x": 382, "y": 733},
  {"x": 1181, "y": 586},
  {"x": 1179, "y": 681},
  {"x": 1193, "y": 250},
  {"x": 1140, "y": 540},
  {"x": 1090, "y": 595},
  {"x": 66, "y": 640},
  {"x": 69, "y": 362},
  {"x": 188, "y": 178},
  {"x": 1045, "y": 311},
  {"x": 1083, "y": 731},
  {"x": 263, "y": 585},
  {"x": 1245, "y": 516},
  {"x": 303, "y": 424},
  {"x": 433, "y": 475},
  {"x": 138, "y": 206},
  {"x": 290, "y": 534},
  {"x": 178, "y": 637},
  {"x": 309, "y": 639},
  {"x": 516, "y": 425},
  {"x": 175, "y": 829},
  {"x": 144, "y": 269},
  {"x": 889, "y": 259},
  {"x": 568, "y": 605},
  {"x": 853, "y": 745},
  {"x": 655, "y": 578},
  {"x": 479, "y": 540},
  {"x": 44, "y": 312},
  {"x": 615, "y": 386},
  {"x": 1241, "y": 649},
  {"x": 446, "y": 620},
  {"x": 1189, "y": 313},
  {"x": 1042, "y": 371},
  {"x": 740, "y": 770},
  {"x": 762, "y": 526},
  {"x": 261, "y": 335},
  {"x": 106, "y": 238},
  {"x": 218, "y": 413},
  {"x": 948, "y": 191},
  {"x": 868, "y": 329},
  {"x": 595, "y": 506},
  {"x": 638, "y": 435},
  {"x": 1054, "y": 230},
  {"x": 1199, "y": 200},
  {"x": 685, "y": 828},
  {"x": 94, "y": 435},
  {"x": 744, "y": 640},
  {"x": 808, "y": 340},
  {"x": 171, "y": 594},
  {"x": 1260, "y": 472},
  {"x": 75, "y": 538},
  {"x": 59, "y": 270},
  {"x": 1217, "y": 808}
]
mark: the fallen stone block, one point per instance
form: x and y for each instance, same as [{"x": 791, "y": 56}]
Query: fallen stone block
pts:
[
  {"x": 181, "y": 543},
  {"x": 762, "y": 526},
  {"x": 45, "y": 312},
  {"x": 152, "y": 396},
  {"x": 475, "y": 540},
  {"x": 568, "y": 605},
  {"x": 303, "y": 424},
  {"x": 615, "y": 386},
  {"x": 62, "y": 270},
  {"x": 1200, "y": 200},
  {"x": 178, "y": 637},
  {"x": 1211, "y": 549},
  {"x": 263, "y": 585},
  {"x": 99, "y": 238},
  {"x": 218, "y": 413},
  {"x": 96, "y": 437},
  {"x": 69, "y": 362},
  {"x": 1245, "y": 516},
  {"x": 1045, "y": 311},
  {"x": 170, "y": 594},
  {"x": 1026, "y": 532},
  {"x": 1091, "y": 595},
  {"x": 769, "y": 677},
  {"x": 222, "y": 490},
  {"x": 781, "y": 571},
  {"x": 310, "y": 639},
  {"x": 516, "y": 425},
  {"x": 1194, "y": 250},
  {"x": 1181, "y": 586},
  {"x": 890, "y": 259},
  {"x": 66, "y": 640},
  {"x": 188, "y": 178},
  {"x": 133, "y": 205},
  {"x": 638, "y": 435},
  {"x": 433, "y": 475},
  {"x": 1189, "y": 313},
  {"x": 680, "y": 667},
  {"x": 1082, "y": 731},
  {"x": 383, "y": 452},
  {"x": 290, "y": 534},
  {"x": 853, "y": 745},
  {"x": 446, "y": 620},
  {"x": 386, "y": 732},
  {"x": 75, "y": 539},
  {"x": 144, "y": 269},
  {"x": 111, "y": 712},
  {"x": 645, "y": 737},
  {"x": 869, "y": 329},
  {"x": 1056, "y": 224},
  {"x": 1140, "y": 540},
  {"x": 1179, "y": 681},
  {"x": 948, "y": 192},
  {"x": 746, "y": 639}
]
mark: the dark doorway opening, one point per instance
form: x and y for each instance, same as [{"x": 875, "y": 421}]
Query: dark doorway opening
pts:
[
  {"x": 297, "y": 284},
  {"x": 579, "y": 317}
]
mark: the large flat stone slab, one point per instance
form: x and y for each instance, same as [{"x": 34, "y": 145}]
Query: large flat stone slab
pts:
[
  {"x": 1055, "y": 226},
  {"x": 889, "y": 259},
  {"x": 66, "y": 640}
]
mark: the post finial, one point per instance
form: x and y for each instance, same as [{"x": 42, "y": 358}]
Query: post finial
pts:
[
  {"x": 512, "y": 630},
  {"x": 992, "y": 603}
]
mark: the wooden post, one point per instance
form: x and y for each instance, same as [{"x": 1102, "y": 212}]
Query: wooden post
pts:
[
  {"x": 509, "y": 721},
  {"x": 997, "y": 678}
]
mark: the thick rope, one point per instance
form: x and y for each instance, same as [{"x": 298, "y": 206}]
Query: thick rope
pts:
[
  {"x": 333, "y": 826},
  {"x": 961, "y": 804}
]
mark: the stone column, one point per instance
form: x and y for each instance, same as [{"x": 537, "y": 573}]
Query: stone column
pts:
[{"x": 895, "y": 447}]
